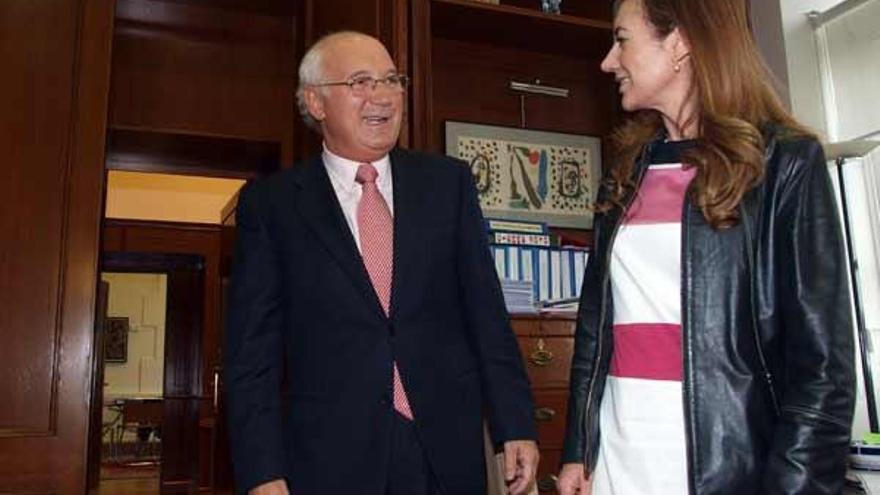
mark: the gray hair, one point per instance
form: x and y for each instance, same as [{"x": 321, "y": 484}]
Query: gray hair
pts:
[{"x": 311, "y": 72}]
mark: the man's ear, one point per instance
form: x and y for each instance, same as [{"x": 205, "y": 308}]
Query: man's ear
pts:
[{"x": 314, "y": 103}]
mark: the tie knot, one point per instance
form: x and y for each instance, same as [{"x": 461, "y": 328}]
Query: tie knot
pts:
[{"x": 366, "y": 174}]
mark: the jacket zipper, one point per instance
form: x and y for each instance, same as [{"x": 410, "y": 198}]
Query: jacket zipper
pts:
[
  {"x": 686, "y": 351},
  {"x": 750, "y": 256},
  {"x": 602, "y": 306}
]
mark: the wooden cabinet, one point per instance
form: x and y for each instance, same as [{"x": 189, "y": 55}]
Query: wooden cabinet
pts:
[
  {"x": 546, "y": 342},
  {"x": 232, "y": 68},
  {"x": 466, "y": 53},
  {"x": 202, "y": 87}
]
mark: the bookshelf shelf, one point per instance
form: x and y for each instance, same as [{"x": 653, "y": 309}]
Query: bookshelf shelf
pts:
[{"x": 520, "y": 27}]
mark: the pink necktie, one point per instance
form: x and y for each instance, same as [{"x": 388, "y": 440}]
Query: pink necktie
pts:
[{"x": 376, "y": 232}]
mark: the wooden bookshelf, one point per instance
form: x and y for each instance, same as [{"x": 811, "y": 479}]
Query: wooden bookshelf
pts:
[{"x": 519, "y": 27}]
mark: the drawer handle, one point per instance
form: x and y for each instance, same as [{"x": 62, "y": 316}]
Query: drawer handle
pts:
[
  {"x": 545, "y": 414},
  {"x": 547, "y": 483},
  {"x": 541, "y": 356}
]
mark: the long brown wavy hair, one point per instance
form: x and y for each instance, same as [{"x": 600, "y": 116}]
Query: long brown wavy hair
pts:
[{"x": 735, "y": 98}]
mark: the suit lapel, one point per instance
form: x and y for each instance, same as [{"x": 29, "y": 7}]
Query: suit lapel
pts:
[
  {"x": 408, "y": 215},
  {"x": 319, "y": 206}
]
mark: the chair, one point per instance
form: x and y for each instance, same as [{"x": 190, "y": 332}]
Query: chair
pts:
[
  {"x": 111, "y": 429},
  {"x": 143, "y": 418}
]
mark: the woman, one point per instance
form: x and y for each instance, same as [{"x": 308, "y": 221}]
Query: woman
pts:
[{"x": 713, "y": 351}]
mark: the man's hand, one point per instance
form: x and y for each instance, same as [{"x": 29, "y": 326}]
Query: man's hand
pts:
[
  {"x": 573, "y": 481},
  {"x": 277, "y": 487},
  {"x": 520, "y": 465}
]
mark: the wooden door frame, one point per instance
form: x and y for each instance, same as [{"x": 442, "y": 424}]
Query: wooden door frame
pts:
[{"x": 96, "y": 408}]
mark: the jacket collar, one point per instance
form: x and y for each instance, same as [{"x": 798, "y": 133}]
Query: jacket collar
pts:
[{"x": 410, "y": 213}]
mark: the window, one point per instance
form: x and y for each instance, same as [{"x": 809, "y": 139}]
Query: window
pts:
[{"x": 847, "y": 40}]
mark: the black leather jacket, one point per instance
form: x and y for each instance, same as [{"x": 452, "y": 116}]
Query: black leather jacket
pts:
[{"x": 767, "y": 342}]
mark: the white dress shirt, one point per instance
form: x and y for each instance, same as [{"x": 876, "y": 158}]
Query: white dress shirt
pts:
[{"x": 342, "y": 172}]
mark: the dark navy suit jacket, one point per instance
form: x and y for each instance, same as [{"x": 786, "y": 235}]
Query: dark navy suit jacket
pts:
[{"x": 309, "y": 351}]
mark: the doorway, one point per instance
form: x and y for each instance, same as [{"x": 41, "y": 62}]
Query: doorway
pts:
[{"x": 147, "y": 391}]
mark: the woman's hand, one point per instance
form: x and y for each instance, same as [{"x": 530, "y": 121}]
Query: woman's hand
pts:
[{"x": 573, "y": 481}]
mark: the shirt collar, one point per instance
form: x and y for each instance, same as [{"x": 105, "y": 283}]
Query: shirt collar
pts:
[{"x": 344, "y": 170}]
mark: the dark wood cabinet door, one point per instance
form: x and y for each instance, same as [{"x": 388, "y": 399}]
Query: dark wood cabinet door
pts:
[{"x": 53, "y": 94}]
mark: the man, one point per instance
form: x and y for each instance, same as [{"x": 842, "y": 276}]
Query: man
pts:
[{"x": 367, "y": 334}]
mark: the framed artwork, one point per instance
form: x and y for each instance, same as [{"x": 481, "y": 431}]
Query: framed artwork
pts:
[
  {"x": 116, "y": 339},
  {"x": 529, "y": 175}
]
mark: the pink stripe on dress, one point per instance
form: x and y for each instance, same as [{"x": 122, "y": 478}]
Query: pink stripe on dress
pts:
[
  {"x": 647, "y": 350},
  {"x": 662, "y": 191}
]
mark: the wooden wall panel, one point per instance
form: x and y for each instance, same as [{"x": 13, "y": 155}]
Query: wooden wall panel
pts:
[
  {"x": 203, "y": 69},
  {"x": 52, "y": 135},
  {"x": 470, "y": 83},
  {"x": 326, "y": 16},
  {"x": 33, "y": 243},
  {"x": 387, "y": 20},
  {"x": 180, "y": 436},
  {"x": 384, "y": 19}
]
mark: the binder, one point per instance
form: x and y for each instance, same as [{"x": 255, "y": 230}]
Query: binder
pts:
[
  {"x": 567, "y": 271},
  {"x": 543, "y": 274},
  {"x": 513, "y": 253},
  {"x": 527, "y": 264},
  {"x": 499, "y": 255},
  {"x": 555, "y": 274},
  {"x": 580, "y": 260}
]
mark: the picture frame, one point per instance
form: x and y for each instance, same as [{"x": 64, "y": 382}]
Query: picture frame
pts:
[
  {"x": 530, "y": 175},
  {"x": 116, "y": 339}
]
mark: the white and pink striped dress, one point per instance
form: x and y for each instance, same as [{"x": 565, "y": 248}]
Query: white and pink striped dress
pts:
[{"x": 642, "y": 436}]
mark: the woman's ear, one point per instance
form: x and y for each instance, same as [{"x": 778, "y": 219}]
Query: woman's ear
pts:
[{"x": 679, "y": 45}]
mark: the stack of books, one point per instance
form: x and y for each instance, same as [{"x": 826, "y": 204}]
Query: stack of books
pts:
[
  {"x": 518, "y": 296},
  {"x": 529, "y": 252}
]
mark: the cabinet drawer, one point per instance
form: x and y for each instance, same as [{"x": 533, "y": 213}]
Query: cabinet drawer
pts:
[
  {"x": 557, "y": 327},
  {"x": 543, "y": 326},
  {"x": 548, "y": 468},
  {"x": 548, "y": 360},
  {"x": 551, "y": 410},
  {"x": 525, "y": 326}
]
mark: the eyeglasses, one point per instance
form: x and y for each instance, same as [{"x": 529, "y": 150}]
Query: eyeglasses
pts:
[{"x": 361, "y": 85}]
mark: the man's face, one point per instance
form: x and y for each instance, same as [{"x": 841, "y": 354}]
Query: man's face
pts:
[{"x": 359, "y": 127}]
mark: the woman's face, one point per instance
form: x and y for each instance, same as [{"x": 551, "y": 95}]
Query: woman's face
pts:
[{"x": 644, "y": 63}]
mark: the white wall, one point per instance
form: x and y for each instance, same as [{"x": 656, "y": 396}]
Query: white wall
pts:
[
  {"x": 853, "y": 44},
  {"x": 141, "y": 298},
  {"x": 767, "y": 26},
  {"x": 805, "y": 88}
]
